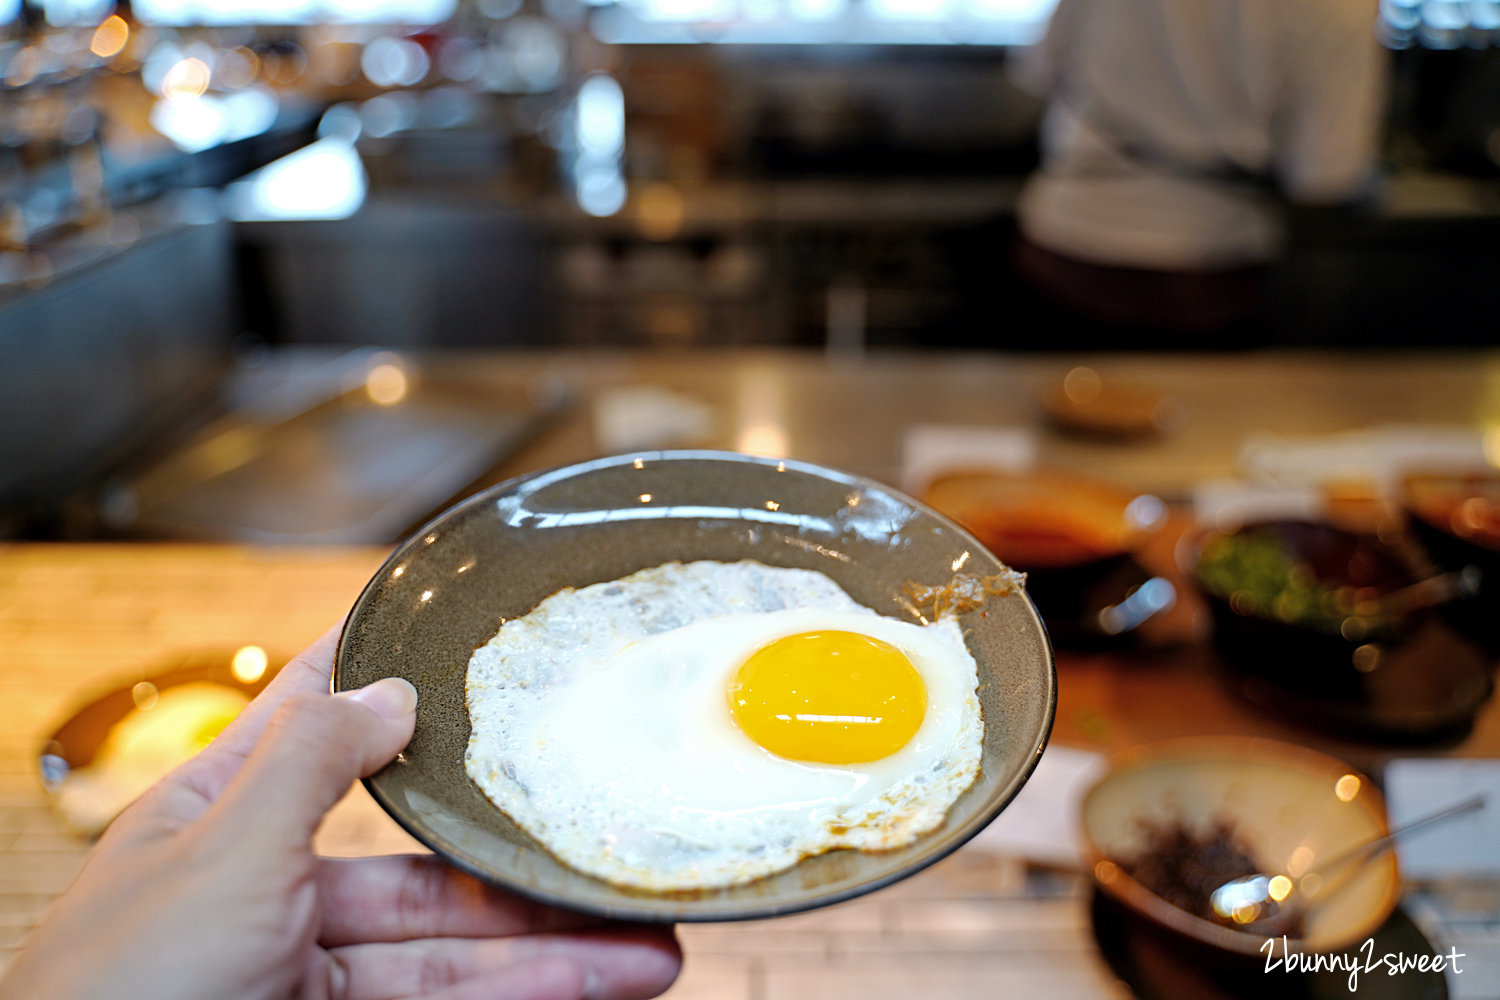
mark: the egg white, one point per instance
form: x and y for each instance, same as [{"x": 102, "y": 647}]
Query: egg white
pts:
[{"x": 601, "y": 725}]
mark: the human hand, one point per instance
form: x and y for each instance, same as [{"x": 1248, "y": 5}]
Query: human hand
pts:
[{"x": 207, "y": 888}]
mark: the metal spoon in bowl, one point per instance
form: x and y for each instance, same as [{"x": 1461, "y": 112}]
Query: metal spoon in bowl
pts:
[
  {"x": 1266, "y": 904},
  {"x": 1423, "y": 594}
]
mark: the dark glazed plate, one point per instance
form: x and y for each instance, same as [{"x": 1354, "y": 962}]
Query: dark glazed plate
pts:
[{"x": 445, "y": 591}]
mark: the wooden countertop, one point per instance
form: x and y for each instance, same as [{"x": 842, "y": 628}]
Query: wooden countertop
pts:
[{"x": 76, "y": 620}]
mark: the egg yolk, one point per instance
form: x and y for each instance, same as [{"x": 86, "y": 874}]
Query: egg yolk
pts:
[{"x": 828, "y": 698}]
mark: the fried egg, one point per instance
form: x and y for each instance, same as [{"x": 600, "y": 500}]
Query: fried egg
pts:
[{"x": 706, "y": 724}]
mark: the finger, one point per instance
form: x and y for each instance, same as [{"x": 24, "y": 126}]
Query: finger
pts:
[
  {"x": 312, "y": 750},
  {"x": 309, "y": 672},
  {"x": 211, "y": 771},
  {"x": 419, "y": 896},
  {"x": 186, "y": 793},
  {"x": 619, "y": 964},
  {"x": 534, "y": 979}
]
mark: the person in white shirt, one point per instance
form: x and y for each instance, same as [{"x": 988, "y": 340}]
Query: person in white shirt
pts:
[{"x": 1173, "y": 129}]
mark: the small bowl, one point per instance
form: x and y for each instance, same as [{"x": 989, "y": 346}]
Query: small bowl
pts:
[
  {"x": 445, "y": 591},
  {"x": 1392, "y": 673},
  {"x": 1457, "y": 520},
  {"x": 1321, "y": 652},
  {"x": 70, "y": 750},
  {"x": 1075, "y": 538},
  {"x": 1086, "y": 404},
  {"x": 1278, "y": 798}
]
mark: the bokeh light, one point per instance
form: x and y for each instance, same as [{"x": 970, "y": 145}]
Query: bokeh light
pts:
[
  {"x": 249, "y": 664},
  {"x": 188, "y": 79},
  {"x": 325, "y": 180},
  {"x": 659, "y": 211},
  {"x": 394, "y": 62},
  {"x": 145, "y": 696},
  {"x": 110, "y": 37},
  {"x": 386, "y": 385}
]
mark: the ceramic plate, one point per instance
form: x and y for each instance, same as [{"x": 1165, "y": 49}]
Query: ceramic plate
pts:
[{"x": 444, "y": 592}]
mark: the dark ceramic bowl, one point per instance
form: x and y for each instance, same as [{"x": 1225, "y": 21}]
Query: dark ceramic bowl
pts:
[
  {"x": 445, "y": 591},
  {"x": 77, "y": 742},
  {"x": 1318, "y": 656},
  {"x": 1075, "y": 539},
  {"x": 1441, "y": 511},
  {"x": 1279, "y": 799},
  {"x": 1404, "y": 676}
]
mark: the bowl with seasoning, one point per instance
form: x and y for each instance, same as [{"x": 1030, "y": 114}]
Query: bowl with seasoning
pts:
[
  {"x": 1339, "y": 630},
  {"x": 1172, "y": 821}
]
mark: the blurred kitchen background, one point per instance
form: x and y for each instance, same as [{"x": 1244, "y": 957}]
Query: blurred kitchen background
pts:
[{"x": 186, "y": 185}]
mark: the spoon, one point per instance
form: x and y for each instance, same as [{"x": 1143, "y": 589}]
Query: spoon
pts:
[
  {"x": 1264, "y": 903},
  {"x": 1423, "y": 594}
]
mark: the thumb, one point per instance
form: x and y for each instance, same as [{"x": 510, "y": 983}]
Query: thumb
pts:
[{"x": 312, "y": 750}]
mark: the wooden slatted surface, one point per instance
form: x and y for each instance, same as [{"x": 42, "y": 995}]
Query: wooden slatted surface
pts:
[{"x": 76, "y": 621}]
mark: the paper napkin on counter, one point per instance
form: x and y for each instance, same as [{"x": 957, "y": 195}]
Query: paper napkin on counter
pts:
[
  {"x": 1041, "y": 823},
  {"x": 1455, "y": 864},
  {"x": 1228, "y": 503},
  {"x": 1379, "y": 456},
  {"x": 1465, "y": 846},
  {"x": 931, "y": 450},
  {"x": 646, "y": 417}
]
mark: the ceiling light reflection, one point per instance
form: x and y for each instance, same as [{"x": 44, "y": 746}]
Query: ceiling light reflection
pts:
[
  {"x": 283, "y": 12},
  {"x": 325, "y": 180}
]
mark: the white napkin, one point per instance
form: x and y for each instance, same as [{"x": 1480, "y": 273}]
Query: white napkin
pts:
[
  {"x": 1464, "y": 846},
  {"x": 1377, "y": 455},
  {"x": 931, "y": 450},
  {"x": 644, "y": 417},
  {"x": 1041, "y": 823}
]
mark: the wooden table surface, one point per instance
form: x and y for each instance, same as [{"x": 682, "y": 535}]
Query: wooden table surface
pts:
[{"x": 76, "y": 620}]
